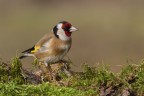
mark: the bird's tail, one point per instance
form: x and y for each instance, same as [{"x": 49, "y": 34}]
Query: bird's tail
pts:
[
  {"x": 26, "y": 55},
  {"x": 21, "y": 57}
]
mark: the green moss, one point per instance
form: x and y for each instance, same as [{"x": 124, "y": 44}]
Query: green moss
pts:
[
  {"x": 92, "y": 81},
  {"x": 16, "y": 71},
  {"x": 45, "y": 89}
]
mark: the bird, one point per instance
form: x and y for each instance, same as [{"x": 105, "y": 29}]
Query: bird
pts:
[{"x": 53, "y": 47}]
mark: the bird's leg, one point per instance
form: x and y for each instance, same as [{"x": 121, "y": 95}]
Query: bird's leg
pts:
[
  {"x": 65, "y": 68},
  {"x": 49, "y": 70}
]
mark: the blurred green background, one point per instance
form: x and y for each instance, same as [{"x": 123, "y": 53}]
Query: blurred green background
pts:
[{"x": 111, "y": 31}]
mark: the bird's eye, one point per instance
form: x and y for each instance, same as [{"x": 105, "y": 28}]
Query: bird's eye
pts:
[{"x": 66, "y": 28}]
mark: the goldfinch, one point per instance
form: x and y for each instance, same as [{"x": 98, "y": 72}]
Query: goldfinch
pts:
[{"x": 52, "y": 47}]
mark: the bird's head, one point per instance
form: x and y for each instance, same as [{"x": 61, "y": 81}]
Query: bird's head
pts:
[{"x": 63, "y": 30}]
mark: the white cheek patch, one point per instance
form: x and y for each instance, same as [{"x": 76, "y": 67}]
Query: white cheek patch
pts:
[
  {"x": 61, "y": 33},
  {"x": 59, "y": 26}
]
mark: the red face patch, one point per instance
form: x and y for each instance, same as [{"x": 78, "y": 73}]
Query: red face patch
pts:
[
  {"x": 66, "y": 27},
  {"x": 67, "y": 24},
  {"x": 68, "y": 33}
]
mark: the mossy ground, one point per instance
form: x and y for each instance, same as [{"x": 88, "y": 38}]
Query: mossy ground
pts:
[{"x": 92, "y": 81}]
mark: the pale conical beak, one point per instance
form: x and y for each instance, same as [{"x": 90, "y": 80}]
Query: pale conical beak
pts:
[{"x": 72, "y": 29}]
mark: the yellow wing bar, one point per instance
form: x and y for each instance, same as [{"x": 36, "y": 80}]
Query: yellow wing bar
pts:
[{"x": 35, "y": 49}]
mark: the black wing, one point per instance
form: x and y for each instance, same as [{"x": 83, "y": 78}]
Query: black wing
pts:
[{"x": 29, "y": 50}]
